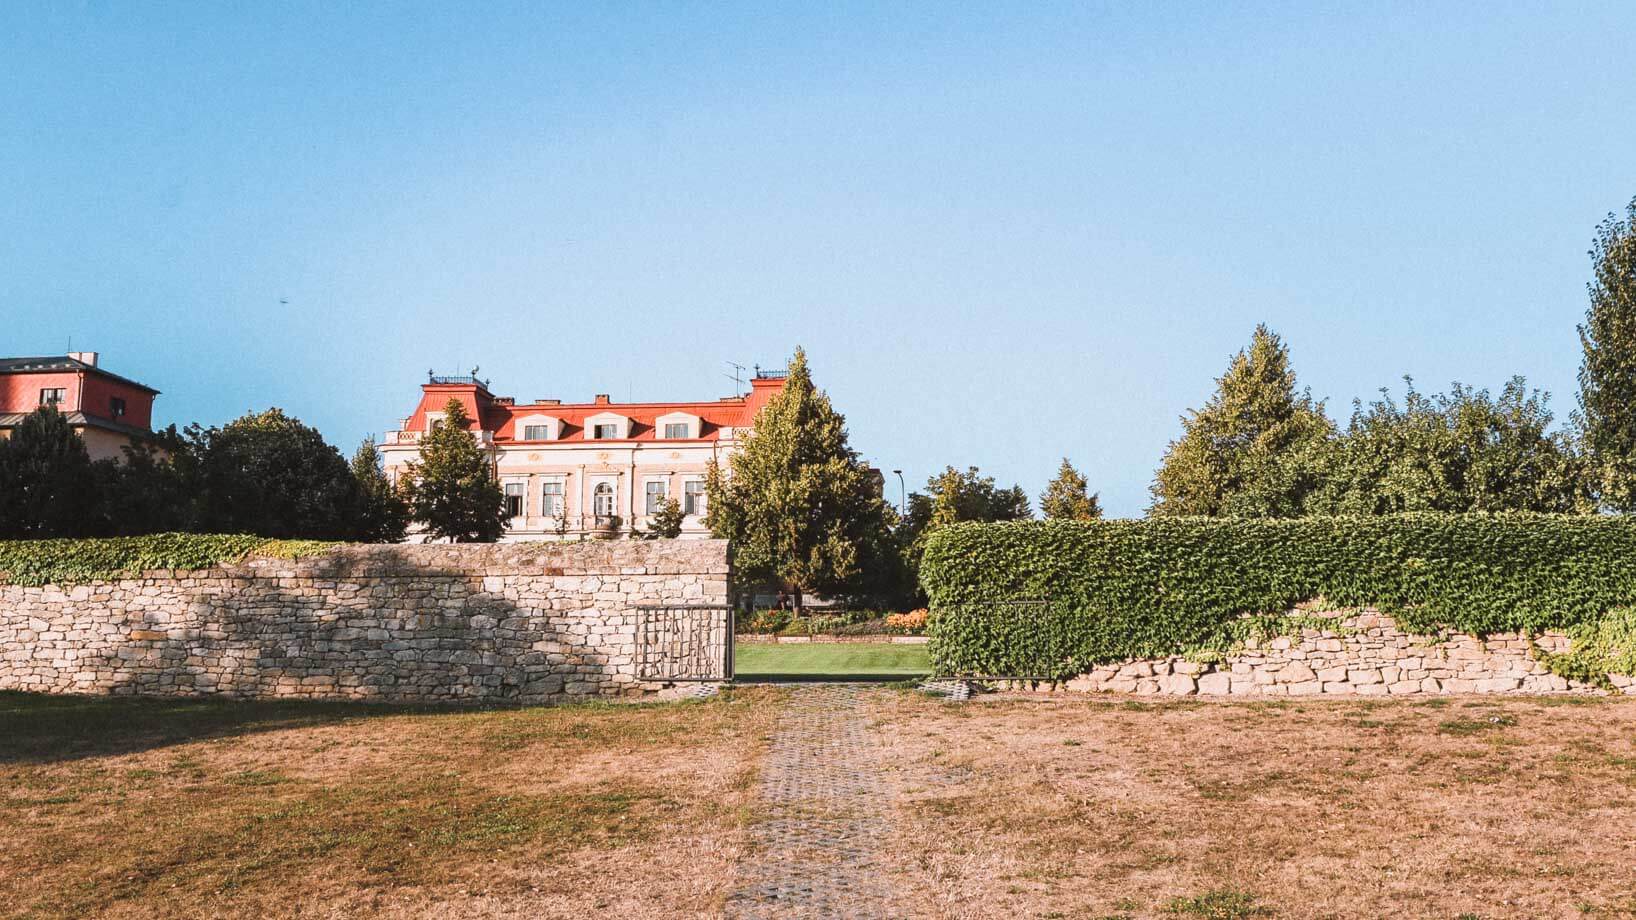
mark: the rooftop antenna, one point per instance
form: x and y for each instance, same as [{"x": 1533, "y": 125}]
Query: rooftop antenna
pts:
[{"x": 737, "y": 377}]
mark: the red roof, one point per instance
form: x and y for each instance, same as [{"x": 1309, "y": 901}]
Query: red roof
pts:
[{"x": 499, "y": 415}]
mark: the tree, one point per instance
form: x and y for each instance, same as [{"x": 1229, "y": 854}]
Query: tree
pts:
[
  {"x": 1068, "y": 497},
  {"x": 1607, "y": 375},
  {"x": 451, "y": 489},
  {"x": 666, "y": 523},
  {"x": 951, "y": 497},
  {"x": 1245, "y": 454},
  {"x": 1464, "y": 451},
  {"x": 383, "y": 515},
  {"x": 268, "y": 474},
  {"x": 159, "y": 487},
  {"x": 797, "y": 505},
  {"x": 48, "y": 485}
]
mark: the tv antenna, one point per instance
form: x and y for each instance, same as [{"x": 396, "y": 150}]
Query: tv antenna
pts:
[{"x": 737, "y": 376}]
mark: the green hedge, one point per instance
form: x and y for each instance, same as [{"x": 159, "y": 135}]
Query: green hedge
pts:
[
  {"x": 39, "y": 562},
  {"x": 1139, "y": 589}
]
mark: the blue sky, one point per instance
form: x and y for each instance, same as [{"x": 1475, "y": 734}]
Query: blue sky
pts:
[{"x": 1005, "y": 233}]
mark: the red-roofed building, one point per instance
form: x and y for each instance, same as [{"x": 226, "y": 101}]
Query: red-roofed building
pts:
[
  {"x": 106, "y": 410},
  {"x": 576, "y": 470}
]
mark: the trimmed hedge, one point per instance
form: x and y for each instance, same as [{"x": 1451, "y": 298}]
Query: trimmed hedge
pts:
[
  {"x": 1152, "y": 588},
  {"x": 39, "y": 562}
]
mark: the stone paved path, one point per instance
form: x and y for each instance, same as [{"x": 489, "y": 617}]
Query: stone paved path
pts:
[{"x": 823, "y": 810}]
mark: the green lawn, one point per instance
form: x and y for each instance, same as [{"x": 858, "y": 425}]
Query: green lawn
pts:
[{"x": 840, "y": 659}]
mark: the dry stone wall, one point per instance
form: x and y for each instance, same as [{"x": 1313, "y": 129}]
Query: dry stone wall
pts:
[
  {"x": 1363, "y": 654},
  {"x": 537, "y": 622}
]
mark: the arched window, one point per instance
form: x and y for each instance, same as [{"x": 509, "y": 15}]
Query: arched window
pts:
[{"x": 602, "y": 500}]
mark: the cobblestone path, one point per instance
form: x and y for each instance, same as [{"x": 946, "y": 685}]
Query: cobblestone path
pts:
[{"x": 822, "y": 811}]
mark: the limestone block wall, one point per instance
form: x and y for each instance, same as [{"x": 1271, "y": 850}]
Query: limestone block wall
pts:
[
  {"x": 534, "y": 622},
  {"x": 1365, "y": 654}
]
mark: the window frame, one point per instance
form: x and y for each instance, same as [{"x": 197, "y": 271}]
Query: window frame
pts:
[
  {"x": 693, "y": 498},
  {"x": 599, "y": 492},
  {"x": 650, "y": 506},
  {"x": 553, "y": 504},
  {"x": 60, "y": 398},
  {"x": 520, "y": 497}
]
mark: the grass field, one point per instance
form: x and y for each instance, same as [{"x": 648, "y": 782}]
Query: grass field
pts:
[
  {"x": 171, "y": 808},
  {"x": 836, "y": 659}
]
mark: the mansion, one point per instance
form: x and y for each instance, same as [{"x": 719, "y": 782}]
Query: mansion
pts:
[{"x": 573, "y": 471}]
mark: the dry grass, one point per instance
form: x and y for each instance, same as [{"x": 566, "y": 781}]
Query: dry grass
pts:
[
  {"x": 1443, "y": 808},
  {"x": 144, "y": 808}
]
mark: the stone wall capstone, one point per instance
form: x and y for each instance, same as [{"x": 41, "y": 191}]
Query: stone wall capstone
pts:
[
  {"x": 526, "y": 622},
  {"x": 1363, "y": 654}
]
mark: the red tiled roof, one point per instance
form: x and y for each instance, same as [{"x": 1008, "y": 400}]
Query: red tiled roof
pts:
[{"x": 501, "y": 419}]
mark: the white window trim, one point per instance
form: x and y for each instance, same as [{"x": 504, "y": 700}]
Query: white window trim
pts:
[
  {"x": 664, "y": 483},
  {"x": 677, "y": 418},
  {"x": 704, "y": 500},
  {"x": 622, "y": 426},
  {"x": 561, "y": 496},
  {"x": 553, "y": 427}
]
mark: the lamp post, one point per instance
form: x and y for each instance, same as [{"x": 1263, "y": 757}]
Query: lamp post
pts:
[{"x": 902, "y": 511}]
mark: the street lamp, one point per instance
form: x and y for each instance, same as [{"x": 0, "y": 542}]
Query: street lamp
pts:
[{"x": 902, "y": 512}]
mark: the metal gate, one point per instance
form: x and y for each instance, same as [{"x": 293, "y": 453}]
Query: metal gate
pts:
[{"x": 679, "y": 642}]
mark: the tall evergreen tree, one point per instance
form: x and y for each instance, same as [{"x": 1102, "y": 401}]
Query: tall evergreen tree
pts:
[
  {"x": 1246, "y": 453},
  {"x": 1607, "y": 376},
  {"x": 48, "y": 485},
  {"x": 383, "y": 514},
  {"x": 1068, "y": 497},
  {"x": 451, "y": 489},
  {"x": 798, "y": 507}
]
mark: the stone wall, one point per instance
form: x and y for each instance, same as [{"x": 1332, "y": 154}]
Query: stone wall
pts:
[
  {"x": 1364, "y": 654},
  {"x": 533, "y": 622}
]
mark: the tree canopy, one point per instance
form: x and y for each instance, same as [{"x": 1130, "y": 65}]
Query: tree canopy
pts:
[
  {"x": 383, "y": 514},
  {"x": 1068, "y": 497},
  {"x": 798, "y": 507},
  {"x": 1607, "y": 374},
  {"x": 270, "y": 475},
  {"x": 48, "y": 485},
  {"x": 451, "y": 489},
  {"x": 1242, "y": 455}
]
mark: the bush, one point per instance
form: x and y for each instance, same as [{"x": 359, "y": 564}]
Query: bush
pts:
[
  {"x": 1141, "y": 589},
  {"x": 765, "y": 622},
  {"x": 912, "y": 623},
  {"x": 39, "y": 562}
]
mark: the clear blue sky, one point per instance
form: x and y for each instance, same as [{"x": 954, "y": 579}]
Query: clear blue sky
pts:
[{"x": 1005, "y": 233}]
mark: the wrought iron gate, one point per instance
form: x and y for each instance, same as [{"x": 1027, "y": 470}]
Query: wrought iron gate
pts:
[{"x": 680, "y": 642}]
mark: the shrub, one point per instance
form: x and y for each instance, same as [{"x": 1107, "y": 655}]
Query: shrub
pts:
[
  {"x": 1141, "y": 589},
  {"x": 765, "y": 622},
  {"x": 912, "y": 623},
  {"x": 39, "y": 562}
]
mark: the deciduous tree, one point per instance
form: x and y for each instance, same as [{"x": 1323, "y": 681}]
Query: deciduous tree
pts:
[{"x": 268, "y": 474}]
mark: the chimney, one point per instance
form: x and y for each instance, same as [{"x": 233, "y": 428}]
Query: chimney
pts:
[
  {"x": 601, "y": 399},
  {"x": 547, "y": 402},
  {"x": 84, "y": 357}
]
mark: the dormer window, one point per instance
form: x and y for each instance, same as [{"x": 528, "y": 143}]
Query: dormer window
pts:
[
  {"x": 536, "y": 428},
  {"x": 606, "y": 426},
  {"x": 677, "y": 426}
]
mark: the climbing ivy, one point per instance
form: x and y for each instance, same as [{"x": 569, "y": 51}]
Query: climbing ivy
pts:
[
  {"x": 39, "y": 562},
  {"x": 1157, "y": 587}
]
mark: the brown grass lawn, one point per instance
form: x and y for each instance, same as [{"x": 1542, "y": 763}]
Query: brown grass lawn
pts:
[
  {"x": 1444, "y": 808},
  {"x": 142, "y": 808}
]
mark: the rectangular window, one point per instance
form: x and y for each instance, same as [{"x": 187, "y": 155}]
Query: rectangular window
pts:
[
  {"x": 657, "y": 491},
  {"x": 693, "y": 497},
  {"x": 514, "y": 499},
  {"x": 605, "y": 432},
  {"x": 551, "y": 499},
  {"x": 116, "y": 407},
  {"x": 53, "y": 397},
  {"x": 536, "y": 432},
  {"x": 675, "y": 429}
]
